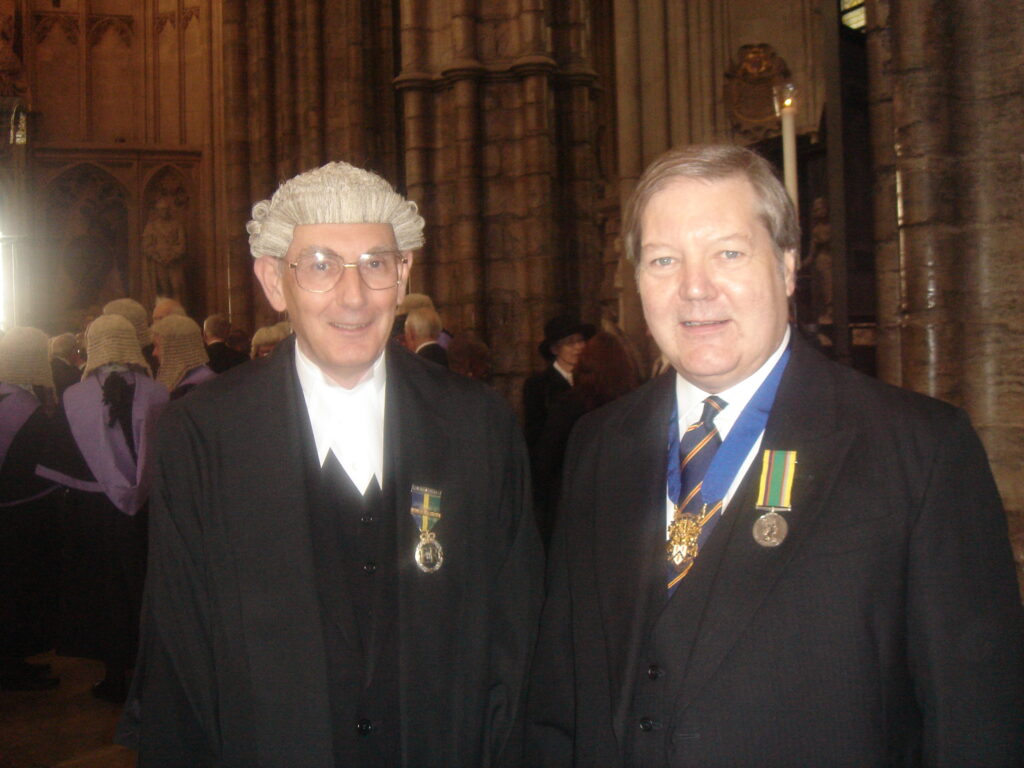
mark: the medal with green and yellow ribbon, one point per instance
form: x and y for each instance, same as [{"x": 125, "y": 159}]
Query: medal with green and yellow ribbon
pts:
[
  {"x": 778, "y": 469},
  {"x": 426, "y": 509}
]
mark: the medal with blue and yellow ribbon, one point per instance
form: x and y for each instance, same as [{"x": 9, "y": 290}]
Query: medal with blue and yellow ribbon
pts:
[
  {"x": 778, "y": 468},
  {"x": 426, "y": 509}
]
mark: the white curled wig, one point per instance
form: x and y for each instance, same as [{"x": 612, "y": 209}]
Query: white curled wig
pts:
[{"x": 336, "y": 193}]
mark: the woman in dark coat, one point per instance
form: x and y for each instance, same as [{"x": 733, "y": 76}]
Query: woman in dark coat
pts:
[{"x": 604, "y": 372}]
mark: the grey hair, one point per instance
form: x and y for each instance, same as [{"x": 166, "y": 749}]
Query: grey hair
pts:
[
  {"x": 715, "y": 162},
  {"x": 336, "y": 193},
  {"x": 423, "y": 323}
]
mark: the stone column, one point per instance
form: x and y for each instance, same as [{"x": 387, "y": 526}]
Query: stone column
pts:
[
  {"x": 231, "y": 161},
  {"x": 888, "y": 275},
  {"x": 958, "y": 105},
  {"x": 498, "y": 152}
]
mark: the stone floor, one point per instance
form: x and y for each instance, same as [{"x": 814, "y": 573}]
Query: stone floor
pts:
[{"x": 63, "y": 728}]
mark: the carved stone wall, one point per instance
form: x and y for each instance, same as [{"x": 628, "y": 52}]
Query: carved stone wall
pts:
[
  {"x": 500, "y": 151},
  {"x": 947, "y": 109},
  {"x": 119, "y": 88},
  {"x": 671, "y": 65},
  {"x": 302, "y": 82}
]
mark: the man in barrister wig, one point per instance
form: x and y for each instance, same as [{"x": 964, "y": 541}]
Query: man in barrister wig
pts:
[
  {"x": 137, "y": 315},
  {"x": 178, "y": 346},
  {"x": 343, "y": 569},
  {"x": 103, "y": 459},
  {"x": 28, "y": 511},
  {"x": 764, "y": 558}
]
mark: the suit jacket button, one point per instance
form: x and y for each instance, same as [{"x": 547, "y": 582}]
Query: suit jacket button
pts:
[
  {"x": 364, "y": 727},
  {"x": 654, "y": 672},
  {"x": 646, "y": 724},
  {"x": 369, "y": 566}
]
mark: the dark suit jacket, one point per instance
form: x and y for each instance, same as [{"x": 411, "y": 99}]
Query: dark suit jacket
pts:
[
  {"x": 540, "y": 392},
  {"x": 885, "y": 629},
  {"x": 233, "y": 665},
  {"x": 434, "y": 352},
  {"x": 223, "y": 357},
  {"x": 64, "y": 375}
]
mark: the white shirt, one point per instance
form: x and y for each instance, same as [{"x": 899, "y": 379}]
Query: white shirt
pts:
[
  {"x": 567, "y": 375},
  {"x": 348, "y": 421},
  {"x": 690, "y": 402}
]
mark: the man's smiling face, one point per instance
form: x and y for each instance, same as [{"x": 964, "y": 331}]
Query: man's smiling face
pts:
[
  {"x": 713, "y": 289},
  {"x": 345, "y": 329}
]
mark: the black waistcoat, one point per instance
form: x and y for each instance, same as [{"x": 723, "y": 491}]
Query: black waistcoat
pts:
[
  {"x": 671, "y": 630},
  {"x": 357, "y": 584}
]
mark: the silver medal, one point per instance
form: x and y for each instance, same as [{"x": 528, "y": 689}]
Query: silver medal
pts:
[{"x": 770, "y": 529}]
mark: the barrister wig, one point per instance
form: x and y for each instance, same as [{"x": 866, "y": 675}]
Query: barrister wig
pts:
[
  {"x": 135, "y": 313},
  {"x": 25, "y": 359},
  {"x": 112, "y": 339},
  {"x": 336, "y": 193},
  {"x": 268, "y": 336},
  {"x": 181, "y": 348}
]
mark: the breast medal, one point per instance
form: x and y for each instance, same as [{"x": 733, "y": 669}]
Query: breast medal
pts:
[
  {"x": 770, "y": 529},
  {"x": 778, "y": 469},
  {"x": 682, "y": 540},
  {"x": 426, "y": 510}
]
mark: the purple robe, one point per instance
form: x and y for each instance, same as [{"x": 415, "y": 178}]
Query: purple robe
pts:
[
  {"x": 16, "y": 405},
  {"x": 192, "y": 379},
  {"x": 117, "y": 474}
]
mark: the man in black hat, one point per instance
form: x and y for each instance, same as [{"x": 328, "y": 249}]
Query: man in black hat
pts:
[{"x": 564, "y": 338}]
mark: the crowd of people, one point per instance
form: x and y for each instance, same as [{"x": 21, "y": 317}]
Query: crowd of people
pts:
[
  {"x": 757, "y": 558},
  {"x": 77, "y": 415}
]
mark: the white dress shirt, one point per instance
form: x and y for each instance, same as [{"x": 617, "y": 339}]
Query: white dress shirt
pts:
[
  {"x": 348, "y": 421},
  {"x": 690, "y": 403}
]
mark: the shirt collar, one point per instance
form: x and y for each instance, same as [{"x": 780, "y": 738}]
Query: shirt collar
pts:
[
  {"x": 348, "y": 421},
  {"x": 567, "y": 375},
  {"x": 690, "y": 398}
]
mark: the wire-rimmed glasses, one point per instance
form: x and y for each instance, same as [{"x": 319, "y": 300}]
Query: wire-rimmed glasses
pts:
[{"x": 320, "y": 270}]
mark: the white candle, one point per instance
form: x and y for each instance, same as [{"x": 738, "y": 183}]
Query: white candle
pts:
[{"x": 788, "y": 115}]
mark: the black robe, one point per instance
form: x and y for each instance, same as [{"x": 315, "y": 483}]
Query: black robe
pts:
[
  {"x": 233, "y": 665},
  {"x": 29, "y": 509}
]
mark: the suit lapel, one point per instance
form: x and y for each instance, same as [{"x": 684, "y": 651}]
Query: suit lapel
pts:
[
  {"x": 629, "y": 524},
  {"x": 805, "y": 417}
]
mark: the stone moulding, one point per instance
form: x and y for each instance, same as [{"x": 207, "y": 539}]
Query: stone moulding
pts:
[
  {"x": 469, "y": 69},
  {"x": 124, "y": 26},
  {"x": 45, "y": 21}
]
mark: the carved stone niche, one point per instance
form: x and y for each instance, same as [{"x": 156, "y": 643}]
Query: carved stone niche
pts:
[{"x": 748, "y": 91}]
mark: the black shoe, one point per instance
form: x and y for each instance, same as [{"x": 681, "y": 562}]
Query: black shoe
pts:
[
  {"x": 28, "y": 682},
  {"x": 108, "y": 690}
]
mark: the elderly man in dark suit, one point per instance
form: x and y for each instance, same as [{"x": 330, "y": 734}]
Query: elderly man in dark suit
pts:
[
  {"x": 343, "y": 566},
  {"x": 422, "y": 327},
  {"x": 764, "y": 558}
]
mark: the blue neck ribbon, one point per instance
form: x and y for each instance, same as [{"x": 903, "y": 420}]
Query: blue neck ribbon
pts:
[{"x": 733, "y": 451}]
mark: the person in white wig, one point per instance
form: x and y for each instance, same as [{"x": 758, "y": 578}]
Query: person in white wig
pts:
[{"x": 330, "y": 521}]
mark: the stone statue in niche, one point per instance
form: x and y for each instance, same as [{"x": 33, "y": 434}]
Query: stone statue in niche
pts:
[
  {"x": 163, "y": 245},
  {"x": 819, "y": 262}
]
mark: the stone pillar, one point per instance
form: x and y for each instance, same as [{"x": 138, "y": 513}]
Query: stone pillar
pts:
[
  {"x": 230, "y": 254},
  {"x": 888, "y": 275},
  {"x": 498, "y": 152},
  {"x": 958, "y": 104}
]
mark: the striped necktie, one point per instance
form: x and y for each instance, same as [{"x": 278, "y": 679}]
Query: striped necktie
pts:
[{"x": 693, "y": 519}]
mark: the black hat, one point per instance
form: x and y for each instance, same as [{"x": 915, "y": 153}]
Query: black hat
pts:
[{"x": 559, "y": 328}]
